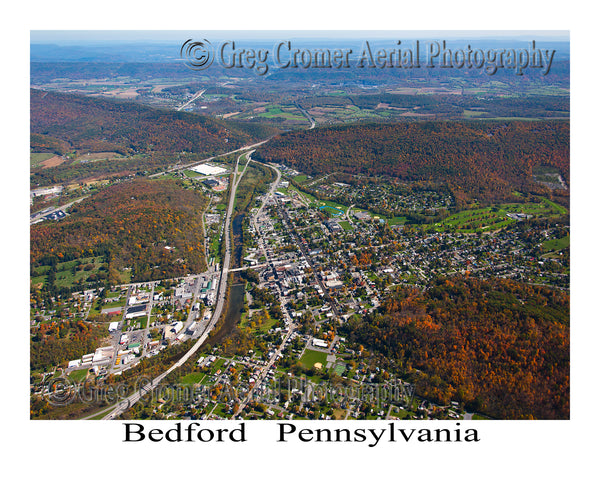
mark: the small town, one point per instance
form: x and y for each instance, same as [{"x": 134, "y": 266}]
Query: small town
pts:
[{"x": 304, "y": 268}]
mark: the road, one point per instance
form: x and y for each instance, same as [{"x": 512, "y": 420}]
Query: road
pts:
[
  {"x": 292, "y": 326},
  {"x": 249, "y": 267},
  {"x": 126, "y": 403},
  {"x": 145, "y": 340},
  {"x": 113, "y": 365},
  {"x": 193, "y": 99},
  {"x": 348, "y": 214},
  {"x": 307, "y": 115},
  {"x": 193, "y": 164},
  {"x": 264, "y": 371},
  {"x": 262, "y": 206},
  {"x": 40, "y": 215},
  {"x": 296, "y": 238}
]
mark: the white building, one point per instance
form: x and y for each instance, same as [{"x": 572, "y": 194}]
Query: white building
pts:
[{"x": 207, "y": 169}]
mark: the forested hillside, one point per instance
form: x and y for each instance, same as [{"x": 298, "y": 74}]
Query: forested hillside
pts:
[
  {"x": 499, "y": 347},
  {"x": 100, "y": 125},
  {"x": 130, "y": 224},
  {"x": 486, "y": 161}
]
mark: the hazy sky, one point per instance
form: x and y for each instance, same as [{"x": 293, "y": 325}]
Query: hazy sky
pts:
[{"x": 77, "y": 37}]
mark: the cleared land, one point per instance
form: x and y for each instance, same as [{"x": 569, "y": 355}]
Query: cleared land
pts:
[
  {"x": 53, "y": 161},
  {"x": 495, "y": 217},
  {"x": 36, "y": 159},
  {"x": 311, "y": 357}
]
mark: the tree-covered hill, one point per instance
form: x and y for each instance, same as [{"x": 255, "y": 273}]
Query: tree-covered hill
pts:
[
  {"x": 497, "y": 346},
  {"x": 99, "y": 125},
  {"x": 486, "y": 161},
  {"x": 129, "y": 224}
]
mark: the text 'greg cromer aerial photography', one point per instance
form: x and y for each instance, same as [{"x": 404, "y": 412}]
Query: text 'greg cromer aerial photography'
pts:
[{"x": 299, "y": 225}]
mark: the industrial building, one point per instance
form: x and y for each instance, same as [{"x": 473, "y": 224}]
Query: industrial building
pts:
[
  {"x": 136, "y": 311},
  {"x": 207, "y": 169}
]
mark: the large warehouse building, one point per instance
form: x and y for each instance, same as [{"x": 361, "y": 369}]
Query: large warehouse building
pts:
[{"x": 206, "y": 169}]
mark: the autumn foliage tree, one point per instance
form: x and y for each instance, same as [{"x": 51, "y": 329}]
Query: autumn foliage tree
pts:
[
  {"x": 497, "y": 346},
  {"x": 483, "y": 161},
  {"x": 130, "y": 224}
]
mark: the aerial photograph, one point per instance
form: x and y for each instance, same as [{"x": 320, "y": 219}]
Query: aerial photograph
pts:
[{"x": 299, "y": 225}]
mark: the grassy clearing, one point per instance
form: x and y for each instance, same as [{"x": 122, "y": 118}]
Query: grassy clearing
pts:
[
  {"x": 36, "y": 159},
  {"x": 194, "y": 377},
  {"x": 78, "y": 375},
  {"x": 38, "y": 280},
  {"x": 125, "y": 276},
  {"x": 495, "y": 217},
  {"x": 345, "y": 225},
  {"x": 221, "y": 411},
  {"x": 192, "y": 174},
  {"x": 308, "y": 198},
  {"x": 217, "y": 365},
  {"x": 311, "y": 357},
  {"x": 213, "y": 248},
  {"x": 98, "y": 157},
  {"x": 70, "y": 273},
  {"x": 121, "y": 302},
  {"x": 557, "y": 244},
  {"x": 248, "y": 322},
  {"x": 301, "y": 178},
  {"x": 397, "y": 221}
]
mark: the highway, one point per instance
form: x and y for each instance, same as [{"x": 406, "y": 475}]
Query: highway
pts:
[
  {"x": 193, "y": 99},
  {"x": 126, "y": 403},
  {"x": 193, "y": 164},
  {"x": 307, "y": 115},
  {"x": 40, "y": 215}
]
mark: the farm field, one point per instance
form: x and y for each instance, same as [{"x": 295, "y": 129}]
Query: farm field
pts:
[
  {"x": 281, "y": 111},
  {"x": 36, "y": 159}
]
